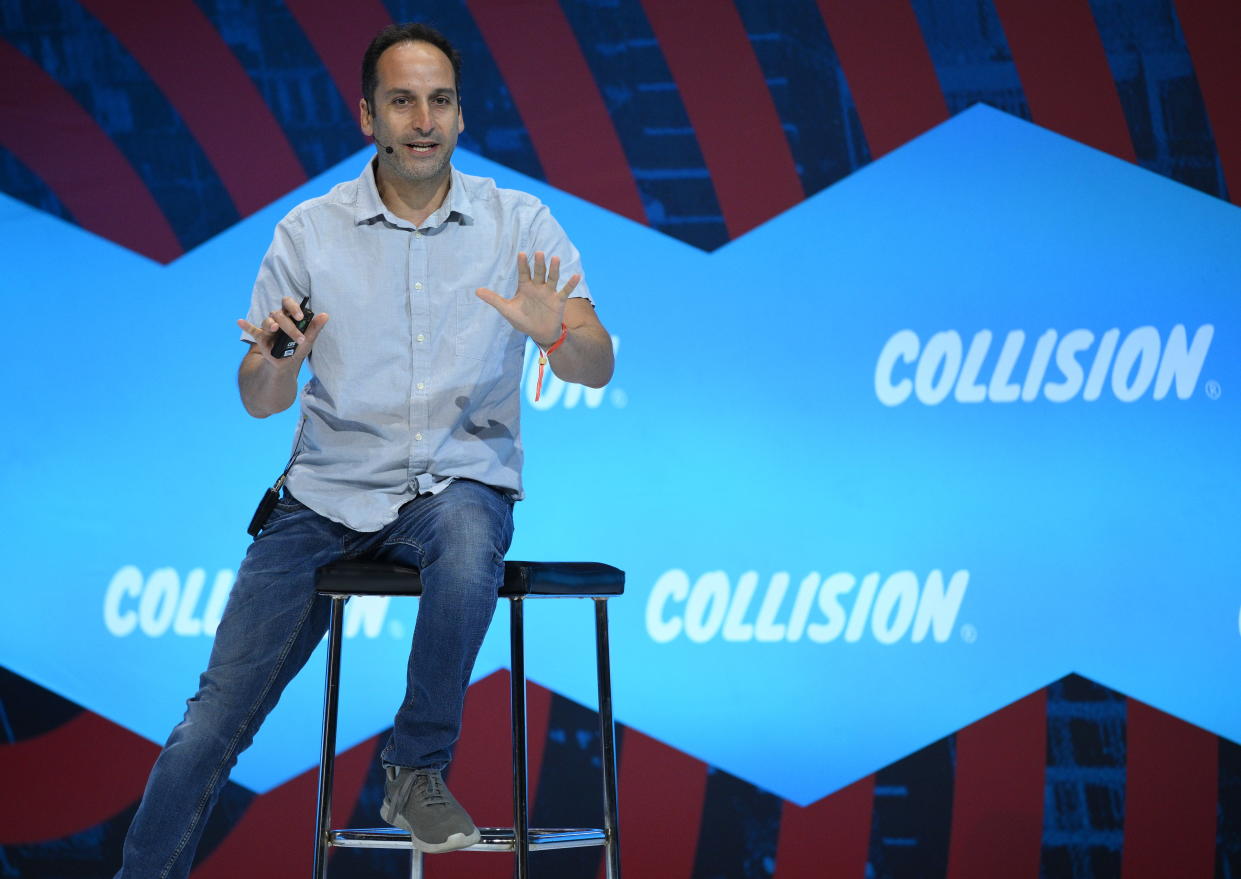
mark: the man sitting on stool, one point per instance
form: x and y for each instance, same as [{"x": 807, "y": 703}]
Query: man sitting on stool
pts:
[{"x": 425, "y": 283}]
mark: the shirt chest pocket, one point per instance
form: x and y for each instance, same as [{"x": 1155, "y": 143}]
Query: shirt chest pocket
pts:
[{"x": 481, "y": 331}]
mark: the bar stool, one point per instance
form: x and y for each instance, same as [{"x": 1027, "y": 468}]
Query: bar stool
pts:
[{"x": 522, "y": 580}]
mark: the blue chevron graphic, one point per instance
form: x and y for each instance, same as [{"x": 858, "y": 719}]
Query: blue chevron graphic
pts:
[{"x": 843, "y": 540}]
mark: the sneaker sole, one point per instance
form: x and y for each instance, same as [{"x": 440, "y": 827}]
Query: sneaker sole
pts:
[{"x": 452, "y": 844}]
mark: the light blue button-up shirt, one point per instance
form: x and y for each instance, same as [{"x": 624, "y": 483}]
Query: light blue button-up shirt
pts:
[{"x": 416, "y": 379}]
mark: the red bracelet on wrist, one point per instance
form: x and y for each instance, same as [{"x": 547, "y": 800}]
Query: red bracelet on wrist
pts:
[{"x": 543, "y": 355}]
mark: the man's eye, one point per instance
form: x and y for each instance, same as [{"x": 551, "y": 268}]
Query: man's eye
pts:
[{"x": 400, "y": 101}]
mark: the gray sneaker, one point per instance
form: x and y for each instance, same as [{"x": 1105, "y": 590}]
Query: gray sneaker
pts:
[{"x": 417, "y": 800}]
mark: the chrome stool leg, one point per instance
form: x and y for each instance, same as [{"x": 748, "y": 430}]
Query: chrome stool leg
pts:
[
  {"x": 521, "y": 781},
  {"x": 607, "y": 739},
  {"x": 327, "y": 742}
]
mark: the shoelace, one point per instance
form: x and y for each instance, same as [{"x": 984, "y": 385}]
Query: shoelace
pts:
[{"x": 429, "y": 789}]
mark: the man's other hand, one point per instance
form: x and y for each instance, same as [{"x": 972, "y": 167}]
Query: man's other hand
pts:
[{"x": 537, "y": 308}]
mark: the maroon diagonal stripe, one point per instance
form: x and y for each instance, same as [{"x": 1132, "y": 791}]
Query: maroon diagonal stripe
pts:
[
  {"x": 1212, "y": 31},
  {"x": 103, "y": 764},
  {"x": 997, "y": 805},
  {"x": 275, "y": 836},
  {"x": 728, "y": 103},
  {"x": 58, "y": 140},
  {"x": 1171, "y": 796},
  {"x": 828, "y": 838},
  {"x": 538, "y": 718},
  {"x": 1064, "y": 72},
  {"x": 340, "y": 33},
  {"x": 482, "y": 763},
  {"x": 481, "y": 775},
  {"x": 537, "y": 53},
  {"x": 890, "y": 72},
  {"x": 188, "y": 61},
  {"x": 661, "y": 794}
]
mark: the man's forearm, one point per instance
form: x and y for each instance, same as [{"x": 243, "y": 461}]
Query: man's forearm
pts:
[
  {"x": 267, "y": 388},
  {"x": 585, "y": 357}
]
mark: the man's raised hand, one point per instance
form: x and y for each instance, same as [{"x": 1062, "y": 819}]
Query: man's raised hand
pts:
[{"x": 537, "y": 308}]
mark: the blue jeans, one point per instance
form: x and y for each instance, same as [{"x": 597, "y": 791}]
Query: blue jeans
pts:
[{"x": 272, "y": 623}]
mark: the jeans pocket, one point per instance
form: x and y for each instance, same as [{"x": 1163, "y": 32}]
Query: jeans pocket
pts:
[
  {"x": 287, "y": 505},
  {"x": 288, "y": 502}
]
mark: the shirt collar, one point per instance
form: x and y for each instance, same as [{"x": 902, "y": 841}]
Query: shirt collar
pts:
[{"x": 369, "y": 207}]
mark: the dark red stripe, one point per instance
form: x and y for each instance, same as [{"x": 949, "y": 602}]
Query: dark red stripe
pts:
[
  {"x": 1064, "y": 72},
  {"x": 50, "y": 133},
  {"x": 481, "y": 775},
  {"x": 1212, "y": 31},
  {"x": 352, "y": 768},
  {"x": 340, "y": 33},
  {"x": 481, "y": 772},
  {"x": 890, "y": 72},
  {"x": 998, "y": 791},
  {"x": 661, "y": 793},
  {"x": 555, "y": 94},
  {"x": 104, "y": 765},
  {"x": 730, "y": 107},
  {"x": 538, "y": 718},
  {"x": 183, "y": 54},
  {"x": 275, "y": 836},
  {"x": 1171, "y": 795},
  {"x": 482, "y": 766},
  {"x": 828, "y": 838}
]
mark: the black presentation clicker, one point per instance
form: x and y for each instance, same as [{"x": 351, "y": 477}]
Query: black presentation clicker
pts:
[{"x": 282, "y": 346}]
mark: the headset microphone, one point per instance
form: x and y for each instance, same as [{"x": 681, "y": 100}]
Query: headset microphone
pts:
[{"x": 387, "y": 149}]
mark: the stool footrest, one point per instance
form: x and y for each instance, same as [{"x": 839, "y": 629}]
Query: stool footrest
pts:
[{"x": 493, "y": 839}]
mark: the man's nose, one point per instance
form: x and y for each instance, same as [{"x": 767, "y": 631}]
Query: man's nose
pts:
[{"x": 422, "y": 118}]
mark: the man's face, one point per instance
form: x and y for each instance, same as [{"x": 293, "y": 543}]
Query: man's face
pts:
[{"x": 416, "y": 112}]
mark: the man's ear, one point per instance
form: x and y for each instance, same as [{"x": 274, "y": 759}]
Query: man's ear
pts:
[{"x": 364, "y": 117}]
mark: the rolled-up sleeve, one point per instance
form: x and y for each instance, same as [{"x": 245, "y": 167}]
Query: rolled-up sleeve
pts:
[
  {"x": 282, "y": 273},
  {"x": 546, "y": 234}
]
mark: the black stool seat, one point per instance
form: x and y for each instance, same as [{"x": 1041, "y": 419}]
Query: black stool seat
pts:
[
  {"x": 522, "y": 580},
  {"x": 529, "y": 579}
]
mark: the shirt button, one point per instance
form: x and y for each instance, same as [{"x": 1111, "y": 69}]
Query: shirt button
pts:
[
  {"x": 418, "y": 285},
  {"x": 419, "y": 386},
  {"x": 421, "y": 337},
  {"x": 418, "y": 437},
  {"x": 417, "y": 234}
]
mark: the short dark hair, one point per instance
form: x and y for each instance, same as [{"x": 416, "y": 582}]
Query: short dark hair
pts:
[{"x": 409, "y": 32}]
